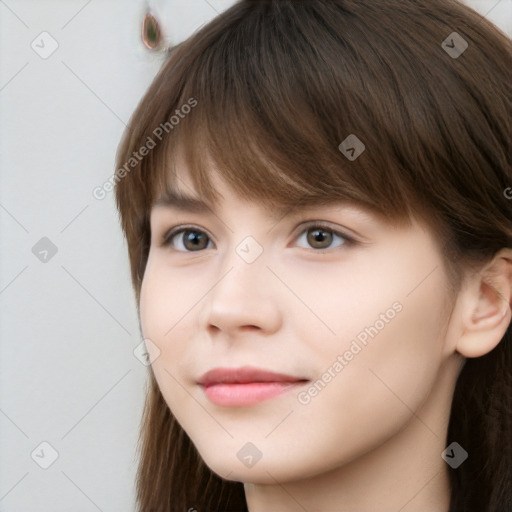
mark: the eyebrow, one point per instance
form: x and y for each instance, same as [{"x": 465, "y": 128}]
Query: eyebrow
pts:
[{"x": 179, "y": 201}]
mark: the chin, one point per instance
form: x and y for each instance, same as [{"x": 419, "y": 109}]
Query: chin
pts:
[{"x": 264, "y": 471}]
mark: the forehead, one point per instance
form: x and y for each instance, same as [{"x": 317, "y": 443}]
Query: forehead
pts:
[
  {"x": 179, "y": 193},
  {"x": 184, "y": 197}
]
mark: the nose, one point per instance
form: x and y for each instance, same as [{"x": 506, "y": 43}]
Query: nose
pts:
[{"x": 245, "y": 297}]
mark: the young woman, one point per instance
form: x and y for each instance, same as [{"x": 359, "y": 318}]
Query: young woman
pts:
[{"x": 316, "y": 198}]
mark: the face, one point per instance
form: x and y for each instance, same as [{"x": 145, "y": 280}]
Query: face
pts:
[{"x": 350, "y": 309}]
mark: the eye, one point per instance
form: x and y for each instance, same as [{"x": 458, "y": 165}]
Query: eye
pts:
[
  {"x": 320, "y": 236},
  {"x": 189, "y": 239}
]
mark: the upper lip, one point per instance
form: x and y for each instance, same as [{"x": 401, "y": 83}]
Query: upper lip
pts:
[{"x": 244, "y": 375}]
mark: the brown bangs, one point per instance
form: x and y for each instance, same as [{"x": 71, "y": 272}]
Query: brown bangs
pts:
[
  {"x": 271, "y": 123},
  {"x": 320, "y": 105}
]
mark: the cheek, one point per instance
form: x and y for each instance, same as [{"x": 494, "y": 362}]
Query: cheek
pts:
[
  {"x": 389, "y": 330},
  {"x": 391, "y": 345},
  {"x": 166, "y": 298},
  {"x": 367, "y": 301},
  {"x": 167, "y": 302}
]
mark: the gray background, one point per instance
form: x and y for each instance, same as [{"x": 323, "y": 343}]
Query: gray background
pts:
[{"x": 68, "y": 374}]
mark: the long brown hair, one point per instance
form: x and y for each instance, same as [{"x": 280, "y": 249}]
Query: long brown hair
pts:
[{"x": 268, "y": 91}]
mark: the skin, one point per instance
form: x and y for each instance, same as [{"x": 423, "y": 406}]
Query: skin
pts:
[{"x": 372, "y": 438}]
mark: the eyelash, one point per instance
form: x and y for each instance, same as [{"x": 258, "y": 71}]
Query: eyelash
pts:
[{"x": 348, "y": 240}]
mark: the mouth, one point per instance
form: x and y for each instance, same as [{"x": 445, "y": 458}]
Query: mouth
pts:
[{"x": 235, "y": 387}]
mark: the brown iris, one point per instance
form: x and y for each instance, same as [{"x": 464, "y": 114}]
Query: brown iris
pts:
[
  {"x": 319, "y": 235},
  {"x": 197, "y": 240}
]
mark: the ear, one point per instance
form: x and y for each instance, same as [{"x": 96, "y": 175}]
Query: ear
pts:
[{"x": 487, "y": 312}]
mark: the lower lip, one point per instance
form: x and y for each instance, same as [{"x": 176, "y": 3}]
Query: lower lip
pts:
[{"x": 234, "y": 395}]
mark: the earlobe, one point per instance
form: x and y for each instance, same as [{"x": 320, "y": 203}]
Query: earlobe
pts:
[{"x": 488, "y": 313}]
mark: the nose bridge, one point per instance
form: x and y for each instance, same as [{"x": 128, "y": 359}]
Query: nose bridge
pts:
[
  {"x": 243, "y": 269},
  {"x": 244, "y": 292}
]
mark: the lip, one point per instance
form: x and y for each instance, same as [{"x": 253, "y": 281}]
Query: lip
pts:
[{"x": 234, "y": 387}]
